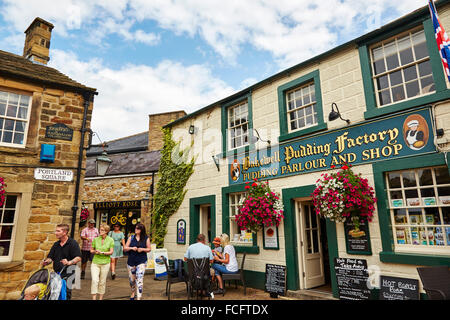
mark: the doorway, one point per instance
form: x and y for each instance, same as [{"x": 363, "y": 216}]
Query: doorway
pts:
[
  {"x": 314, "y": 267},
  {"x": 205, "y": 222}
]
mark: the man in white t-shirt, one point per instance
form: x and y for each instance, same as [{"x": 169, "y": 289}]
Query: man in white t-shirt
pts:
[{"x": 230, "y": 264}]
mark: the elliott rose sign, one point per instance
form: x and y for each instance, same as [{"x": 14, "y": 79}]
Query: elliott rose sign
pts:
[{"x": 396, "y": 136}]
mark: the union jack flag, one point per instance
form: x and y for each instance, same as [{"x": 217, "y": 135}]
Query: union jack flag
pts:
[{"x": 442, "y": 39}]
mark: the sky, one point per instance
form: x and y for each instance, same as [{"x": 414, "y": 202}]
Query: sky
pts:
[{"x": 153, "y": 56}]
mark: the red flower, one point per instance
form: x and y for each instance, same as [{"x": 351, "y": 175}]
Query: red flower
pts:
[
  {"x": 345, "y": 167},
  {"x": 254, "y": 184},
  {"x": 333, "y": 166},
  {"x": 247, "y": 187}
]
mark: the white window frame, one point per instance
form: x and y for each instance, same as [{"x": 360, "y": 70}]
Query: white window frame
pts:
[
  {"x": 418, "y": 248},
  {"x": 311, "y": 103},
  {"x": 240, "y": 125},
  {"x": 9, "y": 257},
  {"x": 399, "y": 68},
  {"x": 27, "y": 120},
  {"x": 234, "y": 199}
]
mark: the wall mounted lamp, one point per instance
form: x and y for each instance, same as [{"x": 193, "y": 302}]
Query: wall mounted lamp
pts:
[
  {"x": 216, "y": 161},
  {"x": 255, "y": 139},
  {"x": 336, "y": 114},
  {"x": 191, "y": 129}
]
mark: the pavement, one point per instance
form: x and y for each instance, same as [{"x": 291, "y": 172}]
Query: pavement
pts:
[{"x": 119, "y": 289}]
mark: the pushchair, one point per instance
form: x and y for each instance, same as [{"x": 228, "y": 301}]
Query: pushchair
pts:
[{"x": 52, "y": 284}]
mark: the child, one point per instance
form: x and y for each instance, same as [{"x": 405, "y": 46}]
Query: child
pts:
[
  {"x": 216, "y": 252},
  {"x": 32, "y": 292}
]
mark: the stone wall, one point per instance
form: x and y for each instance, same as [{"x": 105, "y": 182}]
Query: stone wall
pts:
[
  {"x": 119, "y": 189},
  {"x": 42, "y": 204}
]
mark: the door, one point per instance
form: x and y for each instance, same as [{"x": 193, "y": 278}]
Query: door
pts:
[
  {"x": 205, "y": 222},
  {"x": 310, "y": 246}
]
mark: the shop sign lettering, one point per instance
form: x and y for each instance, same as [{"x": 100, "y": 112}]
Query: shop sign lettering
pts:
[
  {"x": 117, "y": 204},
  {"x": 404, "y": 135}
]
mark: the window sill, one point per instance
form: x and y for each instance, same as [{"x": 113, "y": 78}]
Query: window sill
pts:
[
  {"x": 10, "y": 266},
  {"x": 237, "y": 151},
  {"x": 288, "y": 136},
  {"x": 414, "y": 259},
  {"x": 247, "y": 249},
  {"x": 405, "y": 105}
]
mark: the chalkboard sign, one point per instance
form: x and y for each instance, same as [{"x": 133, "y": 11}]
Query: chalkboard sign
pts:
[
  {"x": 351, "y": 277},
  {"x": 393, "y": 288},
  {"x": 59, "y": 131},
  {"x": 357, "y": 242},
  {"x": 275, "y": 279}
]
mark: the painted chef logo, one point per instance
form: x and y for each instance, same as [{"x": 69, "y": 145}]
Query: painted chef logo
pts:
[
  {"x": 235, "y": 170},
  {"x": 415, "y": 132}
]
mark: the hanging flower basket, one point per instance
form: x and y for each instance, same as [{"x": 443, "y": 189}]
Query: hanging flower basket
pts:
[
  {"x": 84, "y": 214},
  {"x": 2, "y": 191},
  {"x": 260, "y": 207},
  {"x": 344, "y": 195}
]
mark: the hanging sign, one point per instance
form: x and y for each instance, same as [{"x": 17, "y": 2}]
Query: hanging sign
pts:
[
  {"x": 392, "y": 137},
  {"x": 59, "y": 131},
  {"x": 351, "y": 277},
  {"x": 393, "y": 288}
]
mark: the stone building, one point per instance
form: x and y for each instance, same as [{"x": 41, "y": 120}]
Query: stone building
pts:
[
  {"x": 125, "y": 193},
  {"x": 286, "y": 130},
  {"x": 44, "y": 116}
]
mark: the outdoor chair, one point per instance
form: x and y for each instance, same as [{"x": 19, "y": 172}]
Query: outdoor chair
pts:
[
  {"x": 199, "y": 277},
  {"x": 436, "y": 282},
  {"x": 173, "y": 278},
  {"x": 236, "y": 276}
]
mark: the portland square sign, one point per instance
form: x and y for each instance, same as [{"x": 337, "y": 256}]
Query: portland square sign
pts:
[{"x": 397, "y": 136}]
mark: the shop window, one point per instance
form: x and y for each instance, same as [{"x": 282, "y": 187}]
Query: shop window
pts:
[
  {"x": 238, "y": 125},
  {"x": 8, "y": 218},
  {"x": 14, "y": 117},
  {"x": 419, "y": 205},
  {"x": 300, "y": 107},
  {"x": 238, "y": 236},
  {"x": 401, "y": 68}
]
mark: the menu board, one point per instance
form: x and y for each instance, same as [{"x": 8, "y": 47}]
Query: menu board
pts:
[
  {"x": 351, "y": 277},
  {"x": 275, "y": 279},
  {"x": 357, "y": 242},
  {"x": 393, "y": 288}
]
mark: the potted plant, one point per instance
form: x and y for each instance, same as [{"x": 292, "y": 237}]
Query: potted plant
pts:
[
  {"x": 260, "y": 207},
  {"x": 344, "y": 195}
]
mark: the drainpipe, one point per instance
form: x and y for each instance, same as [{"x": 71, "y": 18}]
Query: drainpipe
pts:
[{"x": 88, "y": 97}]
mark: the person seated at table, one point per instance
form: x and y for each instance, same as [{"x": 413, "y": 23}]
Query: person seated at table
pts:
[
  {"x": 217, "y": 251},
  {"x": 199, "y": 250},
  {"x": 230, "y": 264}
]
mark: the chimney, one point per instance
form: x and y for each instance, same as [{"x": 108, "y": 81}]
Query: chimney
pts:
[
  {"x": 37, "y": 41},
  {"x": 156, "y": 122}
]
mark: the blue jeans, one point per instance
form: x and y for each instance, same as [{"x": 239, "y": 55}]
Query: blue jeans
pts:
[{"x": 221, "y": 269}]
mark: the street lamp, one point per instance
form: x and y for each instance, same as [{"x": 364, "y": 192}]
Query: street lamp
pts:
[{"x": 102, "y": 163}]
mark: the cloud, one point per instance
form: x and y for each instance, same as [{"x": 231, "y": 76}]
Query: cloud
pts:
[
  {"x": 128, "y": 94},
  {"x": 291, "y": 31}
]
